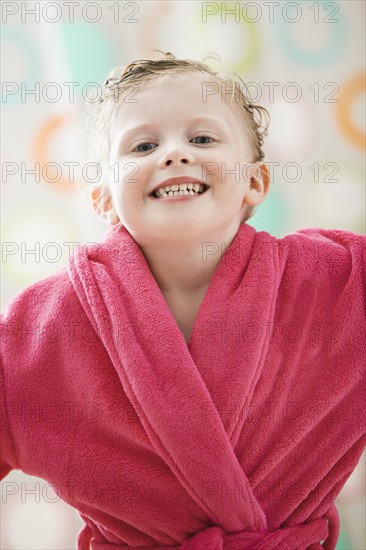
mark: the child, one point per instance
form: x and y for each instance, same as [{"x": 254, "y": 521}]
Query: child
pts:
[{"x": 190, "y": 382}]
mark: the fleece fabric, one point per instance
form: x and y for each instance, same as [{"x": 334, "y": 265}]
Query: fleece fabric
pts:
[{"x": 241, "y": 439}]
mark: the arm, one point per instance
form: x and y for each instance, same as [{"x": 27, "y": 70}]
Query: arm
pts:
[{"x": 8, "y": 460}]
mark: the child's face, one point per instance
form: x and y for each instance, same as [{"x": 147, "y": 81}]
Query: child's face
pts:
[{"x": 184, "y": 134}]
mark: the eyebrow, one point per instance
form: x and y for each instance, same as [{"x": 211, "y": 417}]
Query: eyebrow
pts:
[
  {"x": 204, "y": 119},
  {"x": 134, "y": 129}
]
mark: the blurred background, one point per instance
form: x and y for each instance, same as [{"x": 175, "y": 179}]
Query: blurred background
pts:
[{"x": 304, "y": 61}]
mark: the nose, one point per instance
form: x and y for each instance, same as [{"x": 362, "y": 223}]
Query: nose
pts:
[{"x": 176, "y": 154}]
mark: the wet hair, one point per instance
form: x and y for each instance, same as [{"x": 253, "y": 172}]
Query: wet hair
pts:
[{"x": 148, "y": 72}]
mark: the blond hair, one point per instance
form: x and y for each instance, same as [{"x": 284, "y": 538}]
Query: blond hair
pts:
[{"x": 144, "y": 71}]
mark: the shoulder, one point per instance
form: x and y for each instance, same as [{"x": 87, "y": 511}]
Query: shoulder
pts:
[
  {"x": 333, "y": 252},
  {"x": 335, "y": 239},
  {"x": 36, "y": 318},
  {"x": 46, "y": 296},
  {"x": 41, "y": 299},
  {"x": 328, "y": 265}
]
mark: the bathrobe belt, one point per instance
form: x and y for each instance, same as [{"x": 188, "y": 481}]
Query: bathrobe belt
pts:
[{"x": 306, "y": 536}]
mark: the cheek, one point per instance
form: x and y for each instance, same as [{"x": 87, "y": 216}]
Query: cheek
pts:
[
  {"x": 230, "y": 178},
  {"x": 122, "y": 173},
  {"x": 131, "y": 173},
  {"x": 127, "y": 198}
]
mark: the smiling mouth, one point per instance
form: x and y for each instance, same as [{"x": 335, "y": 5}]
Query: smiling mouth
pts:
[{"x": 186, "y": 190}]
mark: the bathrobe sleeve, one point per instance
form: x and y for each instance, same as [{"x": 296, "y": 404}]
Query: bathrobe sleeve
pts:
[
  {"x": 8, "y": 459},
  {"x": 26, "y": 365}
]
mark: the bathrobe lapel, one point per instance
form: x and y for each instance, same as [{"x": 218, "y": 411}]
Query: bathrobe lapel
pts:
[{"x": 171, "y": 385}]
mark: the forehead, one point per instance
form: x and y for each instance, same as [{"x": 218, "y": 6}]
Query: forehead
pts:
[{"x": 179, "y": 96}]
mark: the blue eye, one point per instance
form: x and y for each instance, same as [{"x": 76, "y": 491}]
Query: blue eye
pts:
[
  {"x": 204, "y": 137},
  {"x": 143, "y": 145}
]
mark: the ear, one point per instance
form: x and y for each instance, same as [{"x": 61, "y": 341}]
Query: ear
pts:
[
  {"x": 259, "y": 183},
  {"x": 103, "y": 206},
  {"x": 95, "y": 195}
]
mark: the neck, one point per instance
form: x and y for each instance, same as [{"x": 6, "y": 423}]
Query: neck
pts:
[{"x": 185, "y": 267}]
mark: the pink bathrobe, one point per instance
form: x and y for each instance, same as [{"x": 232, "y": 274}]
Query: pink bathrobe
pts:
[{"x": 240, "y": 440}]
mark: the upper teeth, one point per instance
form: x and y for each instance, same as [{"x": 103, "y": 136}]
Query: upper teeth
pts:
[{"x": 186, "y": 188}]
